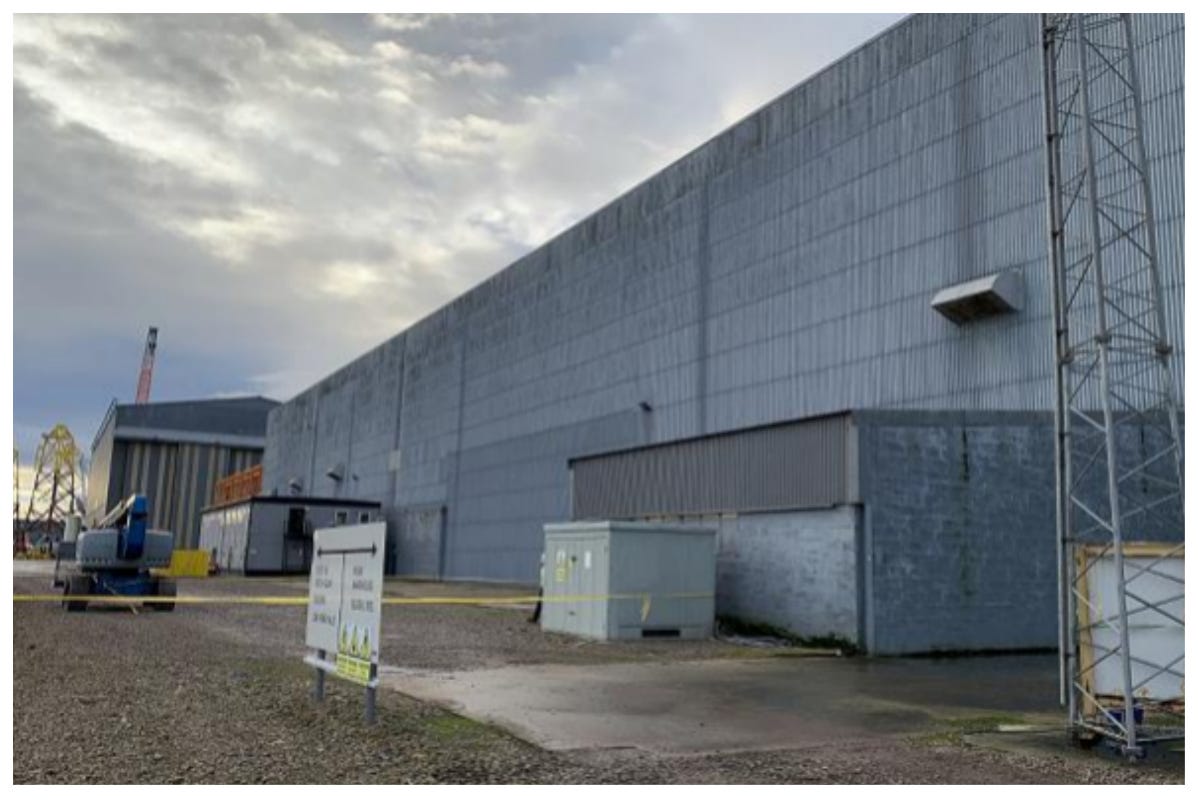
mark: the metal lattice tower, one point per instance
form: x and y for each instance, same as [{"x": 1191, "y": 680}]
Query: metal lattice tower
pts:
[
  {"x": 18, "y": 534},
  {"x": 16, "y": 483},
  {"x": 53, "y": 496},
  {"x": 1119, "y": 451}
]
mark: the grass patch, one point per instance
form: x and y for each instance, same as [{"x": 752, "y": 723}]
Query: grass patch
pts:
[
  {"x": 736, "y": 626},
  {"x": 273, "y": 668},
  {"x": 398, "y": 713},
  {"x": 451, "y": 726},
  {"x": 952, "y": 730}
]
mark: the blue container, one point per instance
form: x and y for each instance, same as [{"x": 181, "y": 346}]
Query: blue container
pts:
[{"x": 1119, "y": 714}]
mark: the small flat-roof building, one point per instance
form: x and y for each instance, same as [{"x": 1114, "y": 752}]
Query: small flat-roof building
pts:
[
  {"x": 274, "y": 534},
  {"x": 174, "y": 453}
]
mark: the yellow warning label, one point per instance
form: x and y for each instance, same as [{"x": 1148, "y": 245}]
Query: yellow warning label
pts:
[{"x": 354, "y": 669}]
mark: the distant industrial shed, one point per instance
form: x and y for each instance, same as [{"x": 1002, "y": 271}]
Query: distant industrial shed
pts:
[{"x": 174, "y": 453}]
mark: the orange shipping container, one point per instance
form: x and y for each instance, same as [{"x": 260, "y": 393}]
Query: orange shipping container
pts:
[{"x": 238, "y": 486}]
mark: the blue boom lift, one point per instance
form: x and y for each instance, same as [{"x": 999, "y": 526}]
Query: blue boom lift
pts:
[{"x": 115, "y": 558}]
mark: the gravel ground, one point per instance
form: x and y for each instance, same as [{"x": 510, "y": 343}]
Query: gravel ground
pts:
[
  {"x": 436, "y": 637},
  {"x": 216, "y": 694}
]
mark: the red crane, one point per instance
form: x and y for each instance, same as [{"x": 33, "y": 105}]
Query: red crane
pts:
[{"x": 144, "y": 377}]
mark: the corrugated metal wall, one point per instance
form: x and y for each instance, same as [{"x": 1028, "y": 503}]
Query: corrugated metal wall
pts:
[
  {"x": 99, "y": 472},
  {"x": 781, "y": 270},
  {"x": 177, "y": 478},
  {"x": 782, "y": 467},
  {"x": 507, "y": 491}
]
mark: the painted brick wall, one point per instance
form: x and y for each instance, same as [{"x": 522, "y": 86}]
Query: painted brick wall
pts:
[
  {"x": 960, "y": 530},
  {"x": 794, "y": 570}
]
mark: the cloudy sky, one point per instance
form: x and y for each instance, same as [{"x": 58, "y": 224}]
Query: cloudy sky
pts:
[{"x": 278, "y": 194}]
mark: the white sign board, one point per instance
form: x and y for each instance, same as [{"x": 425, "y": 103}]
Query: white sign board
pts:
[{"x": 345, "y": 598}]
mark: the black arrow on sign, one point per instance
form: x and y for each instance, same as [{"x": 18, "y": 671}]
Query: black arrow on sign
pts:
[{"x": 321, "y": 551}]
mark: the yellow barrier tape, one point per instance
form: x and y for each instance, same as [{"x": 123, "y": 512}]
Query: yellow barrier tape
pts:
[
  {"x": 301, "y": 600},
  {"x": 184, "y": 600}
]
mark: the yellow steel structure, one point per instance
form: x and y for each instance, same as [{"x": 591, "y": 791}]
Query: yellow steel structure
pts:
[
  {"x": 18, "y": 534},
  {"x": 16, "y": 484},
  {"x": 56, "y": 482}
]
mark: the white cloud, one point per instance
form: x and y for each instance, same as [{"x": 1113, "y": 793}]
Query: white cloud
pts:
[
  {"x": 460, "y": 137},
  {"x": 49, "y": 31},
  {"x": 347, "y": 280},
  {"x": 389, "y": 50},
  {"x": 133, "y": 119},
  {"x": 400, "y": 22},
  {"x": 294, "y": 193},
  {"x": 236, "y": 237},
  {"x": 468, "y": 66},
  {"x": 281, "y": 383}
]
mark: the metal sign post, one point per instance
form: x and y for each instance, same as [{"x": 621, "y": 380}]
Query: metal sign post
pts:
[{"x": 345, "y": 597}]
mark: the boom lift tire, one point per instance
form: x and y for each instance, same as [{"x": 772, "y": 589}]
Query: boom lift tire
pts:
[
  {"x": 165, "y": 588},
  {"x": 77, "y": 586}
]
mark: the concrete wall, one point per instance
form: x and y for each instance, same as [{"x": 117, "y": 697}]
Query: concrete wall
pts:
[
  {"x": 797, "y": 571},
  {"x": 781, "y": 270}
]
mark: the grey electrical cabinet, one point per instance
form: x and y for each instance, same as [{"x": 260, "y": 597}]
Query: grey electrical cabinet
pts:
[{"x": 629, "y": 580}]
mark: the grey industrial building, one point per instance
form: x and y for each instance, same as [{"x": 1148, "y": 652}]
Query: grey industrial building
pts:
[
  {"x": 174, "y": 453},
  {"x": 827, "y": 330}
]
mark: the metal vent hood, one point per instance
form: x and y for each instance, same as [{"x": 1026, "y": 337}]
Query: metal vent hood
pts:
[{"x": 1000, "y": 293}]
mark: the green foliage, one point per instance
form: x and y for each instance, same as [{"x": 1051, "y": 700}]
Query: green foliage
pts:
[{"x": 736, "y": 626}]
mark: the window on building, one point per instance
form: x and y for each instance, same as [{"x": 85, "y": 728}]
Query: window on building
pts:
[
  {"x": 339, "y": 518},
  {"x": 364, "y": 517}
]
